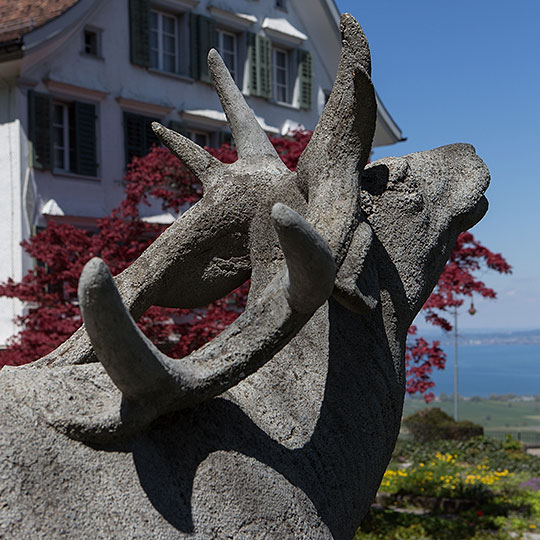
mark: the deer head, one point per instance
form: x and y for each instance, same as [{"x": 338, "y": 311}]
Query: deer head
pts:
[
  {"x": 341, "y": 257},
  {"x": 331, "y": 229},
  {"x": 249, "y": 210}
]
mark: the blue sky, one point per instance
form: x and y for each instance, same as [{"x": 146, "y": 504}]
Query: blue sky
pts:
[{"x": 469, "y": 71}]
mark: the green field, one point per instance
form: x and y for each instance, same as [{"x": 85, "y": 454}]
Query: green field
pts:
[{"x": 510, "y": 416}]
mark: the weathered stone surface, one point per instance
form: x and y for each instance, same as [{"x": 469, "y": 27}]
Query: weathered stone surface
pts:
[{"x": 283, "y": 426}]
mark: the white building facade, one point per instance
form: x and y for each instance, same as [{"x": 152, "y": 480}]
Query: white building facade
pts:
[{"x": 78, "y": 92}]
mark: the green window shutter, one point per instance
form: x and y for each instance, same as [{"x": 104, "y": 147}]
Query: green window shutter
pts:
[
  {"x": 208, "y": 40},
  {"x": 85, "y": 139},
  {"x": 203, "y": 37},
  {"x": 139, "y": 32},
  {"x": 264, "y": 72},
  {"x": 260, "y": 65},
  {"x": 305, "y": 77},
  {"x": 40, "y": 129},
  {"x": 194, "y": 45},
  {"x": 252, "y": 60},
  {"x": 150, "y": 138}
]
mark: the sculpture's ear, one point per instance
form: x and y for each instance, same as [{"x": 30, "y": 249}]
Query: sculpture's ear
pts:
[{"x": 357, "y": 282}]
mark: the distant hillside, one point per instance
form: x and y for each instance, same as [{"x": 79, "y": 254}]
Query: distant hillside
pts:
[{"x": 485, "y": 337}]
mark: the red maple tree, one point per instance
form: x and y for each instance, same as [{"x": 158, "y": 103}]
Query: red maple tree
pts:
[
  {"x": 457, "y": 282},
  {"x": 61, "y": 250}
]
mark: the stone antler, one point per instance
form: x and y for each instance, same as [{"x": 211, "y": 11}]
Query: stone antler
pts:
[
  {"x": 332, "y": 162},
  {"x": 251, "y": 141},
  {"x": 235, "y": 195},
  {"x": 147, "y": 377}
]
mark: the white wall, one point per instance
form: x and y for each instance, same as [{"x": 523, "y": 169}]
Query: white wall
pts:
[
  {"x": 53, "y": 55},
  {"x": 11, "y": 229},
  {"x": 119, "y": 78}
]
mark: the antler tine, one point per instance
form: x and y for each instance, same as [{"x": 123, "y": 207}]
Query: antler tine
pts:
[
  {"x": 341, "y": 143},
  {"x": 157, "y": 384},
  {"x": 355, "y": 42},
  {"x": 310, "y": 263},
  {"x": 196, "y": 159},
  {"x": 115, "y": 336},
  {"x": 250, "y": 139}
]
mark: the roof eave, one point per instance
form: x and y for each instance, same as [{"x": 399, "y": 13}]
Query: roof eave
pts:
[
  {"x": 11, "y": 49},
  {"x": 59, "y": 24},
  {"x": 332, "y": 8},
  {"x": 391, "y": 127}
]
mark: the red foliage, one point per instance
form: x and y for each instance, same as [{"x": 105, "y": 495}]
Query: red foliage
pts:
[
  {"x": 60, "y": 252},
  {"x": 457, "y": 281}
]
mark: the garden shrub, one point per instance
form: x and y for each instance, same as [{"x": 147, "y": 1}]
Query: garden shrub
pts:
[
  {"x": 497, "y": 454},
  {"x": 390, "y": 525},
  {"x": 434, "y": 424}
]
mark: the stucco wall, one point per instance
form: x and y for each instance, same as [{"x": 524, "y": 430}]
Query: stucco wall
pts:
[
  {"x": 53, "y": 64},
  {"x": 11, "y": 230},
  {"x": 121, "y": 79}
]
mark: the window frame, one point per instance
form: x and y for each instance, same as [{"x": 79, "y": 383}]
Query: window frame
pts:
[
  {"x": 99, "y": 43},
  {"x": 221, "y": 32},
  {"x": 68, "y": 137},
  {"x": 79, "y": 134},
  {"x": 286, "y": 71},
  {"x": 160, "y": 51}
]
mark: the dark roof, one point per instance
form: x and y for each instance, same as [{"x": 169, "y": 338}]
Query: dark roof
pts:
[{"x": 18, "y": 17}]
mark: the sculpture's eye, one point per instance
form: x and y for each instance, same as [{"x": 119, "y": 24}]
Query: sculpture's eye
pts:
[
  {"x": 375, "y": 178},
  {"x": 388, "y": 174}
]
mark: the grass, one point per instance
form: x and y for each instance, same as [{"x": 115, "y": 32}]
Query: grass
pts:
[{"x": 493, "y": 415}]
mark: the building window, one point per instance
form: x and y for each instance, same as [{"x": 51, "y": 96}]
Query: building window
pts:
[
  {"x": 281, "y": 75},
  {"x": 163, "y": 42},
  {"x": 92, "y": 42},
  {"x": 64, "y": 137},
  {"x": 227, "y": 47},
  {"x": 202, "y": 138}
]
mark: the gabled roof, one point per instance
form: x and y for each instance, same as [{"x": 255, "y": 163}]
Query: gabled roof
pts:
[{"x": 18, "y": 17}]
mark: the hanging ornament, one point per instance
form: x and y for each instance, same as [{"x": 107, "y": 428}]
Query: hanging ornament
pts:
[{"x": 472, "y": 309}]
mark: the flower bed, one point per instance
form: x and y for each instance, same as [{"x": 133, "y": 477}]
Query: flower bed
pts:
[
  {"x": 445, "y": 476},
  {"x": 479, "y": 489}
]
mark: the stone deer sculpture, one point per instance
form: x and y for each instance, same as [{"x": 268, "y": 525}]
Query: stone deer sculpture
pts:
[{"x": 283, "y": 425}]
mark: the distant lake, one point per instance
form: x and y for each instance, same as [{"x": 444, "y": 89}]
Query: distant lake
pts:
[{"x": 491, "y": 369}]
